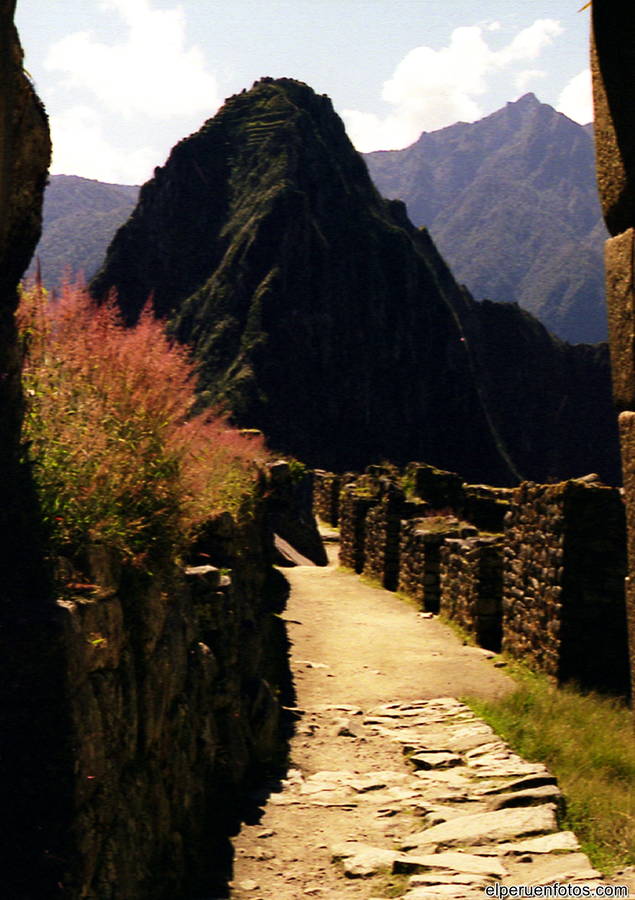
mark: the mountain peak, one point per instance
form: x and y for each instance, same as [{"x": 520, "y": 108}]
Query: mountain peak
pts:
[
  {"x": 528, "y": 99},
  {"x": 473, "y": 185},
  {"x": 317, "y": 313}
]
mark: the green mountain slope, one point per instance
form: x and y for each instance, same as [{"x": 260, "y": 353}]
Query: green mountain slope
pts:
[
  {"x": 80, "y": 217},
  {"x": 318, "y": 313},
  {"x": 511, "y": 202}
]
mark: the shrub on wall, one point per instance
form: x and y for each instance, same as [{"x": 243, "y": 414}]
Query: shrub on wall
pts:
[{"x": 116, "y": 454}]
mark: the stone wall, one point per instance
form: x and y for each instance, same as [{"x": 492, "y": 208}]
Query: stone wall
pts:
[
  {"x": 471, "y": 579},
  {"x": 290, "y": 510},
  {"x": 326, "y": 490},
  {"x": 356, "y": 501},
  {"x": 613, "y": 67},
  {"x": 439, "y": 488},
  {"x": 538, "y": 570},
  {"x": 486, "y": 506},
  {"x": 420, "y": 556},
  {"x": 563, "y": 607},
  {"x": 382, "y": 537},
  {"x": 166, "y": 689}
]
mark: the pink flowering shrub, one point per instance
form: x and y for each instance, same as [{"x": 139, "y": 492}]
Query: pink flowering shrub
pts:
[{"x": 117, "y": 456}]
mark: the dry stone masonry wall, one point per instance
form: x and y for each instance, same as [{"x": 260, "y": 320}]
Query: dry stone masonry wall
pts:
[
  {"x": 170, "y": 697},
  {"x": 420, "y": 556},
  {"x": 537, "y": 571},
  {"x": 382, "y": 528},
  {"x": 563, "y": 606},
  {"x": 167, "y": 690},
  {"x": 355, "y": 504},
  {"x": 326, "y": 493},
  {"x": 471, "y": 586}
]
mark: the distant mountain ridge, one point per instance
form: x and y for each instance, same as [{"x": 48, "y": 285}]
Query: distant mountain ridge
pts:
[
  {"x": 80, "y": 217},
  {"x": 511, "y": 202},
  {"x": 317, "y": 312}
]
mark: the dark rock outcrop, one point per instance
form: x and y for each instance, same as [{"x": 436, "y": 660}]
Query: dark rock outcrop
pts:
[
  {"x": 290, "y": 512},
  {"x": 24, "y": 158},
  {"x": 319, "y": 314},
  {"x": 511, "y": 202},
  {"x": 26, "y": 667}
]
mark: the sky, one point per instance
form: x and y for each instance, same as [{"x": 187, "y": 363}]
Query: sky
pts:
[{"x": 124, "y": 80}]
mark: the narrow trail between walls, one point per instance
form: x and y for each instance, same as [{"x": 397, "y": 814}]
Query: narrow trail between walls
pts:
[{"x": 395, "y": 789}]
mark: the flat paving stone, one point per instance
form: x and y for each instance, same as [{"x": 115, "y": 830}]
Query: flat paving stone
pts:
[
  {"x": 488, "y": 827},
  {"x": 490, "y": 815},
  {"x": 548, "y": 843},
  {"x": 547, "y": 793},
  {"x": 454, "y": 860},
  {"x": 368, "y": 861},
  {"x": 435, "y": 759}
]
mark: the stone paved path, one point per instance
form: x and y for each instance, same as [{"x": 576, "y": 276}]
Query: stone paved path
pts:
[{"x": 395, "y": 788}]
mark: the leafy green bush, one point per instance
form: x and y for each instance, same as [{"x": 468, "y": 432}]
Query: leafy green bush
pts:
[{"x": 117, "y": 457}]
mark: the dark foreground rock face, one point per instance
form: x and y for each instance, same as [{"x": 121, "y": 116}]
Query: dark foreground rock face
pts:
[
  {"x": 24, "y": 159},
  {"x": 25, "y": 722},
  {"x": 319, "y": 314}
]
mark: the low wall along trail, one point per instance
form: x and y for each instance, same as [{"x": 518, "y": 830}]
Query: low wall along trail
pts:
[{"x": 537, "y": 570}]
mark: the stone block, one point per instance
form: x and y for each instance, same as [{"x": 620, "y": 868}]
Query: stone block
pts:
[
  {"x": 488, "y": 827},
  {"x": 620, "y": 296},
  {"x": 563, "y": 606},
  {"x": 613, "y": 64}
]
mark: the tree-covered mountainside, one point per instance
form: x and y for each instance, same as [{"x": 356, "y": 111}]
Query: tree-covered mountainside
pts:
[
  {"x": 511, "y": 202},
  {"x": 80, "y": 217},
  {"x": 318, "y": 313}
]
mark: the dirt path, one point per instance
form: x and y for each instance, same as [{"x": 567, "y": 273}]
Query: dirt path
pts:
[
  {"x": 375, "y": 645},
  {"x": 356, "y": 648}
]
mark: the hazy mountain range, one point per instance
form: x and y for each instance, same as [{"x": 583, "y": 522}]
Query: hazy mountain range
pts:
[
  {"x": 511, "y": 202},
  {"x": 80, "y": 217}
]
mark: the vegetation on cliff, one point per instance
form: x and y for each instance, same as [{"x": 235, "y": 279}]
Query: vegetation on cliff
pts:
[{"x": 116, "y": 454}]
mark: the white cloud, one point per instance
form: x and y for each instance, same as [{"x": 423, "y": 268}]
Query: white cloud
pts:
[
  {"x": 81, "y": 148},
  {"x": 431, "y": 88},
  {"x": 150, "y": 71},
  {"x": 529, "y": 43},
  {"x": 576, "y": 100},
  {"x": 524, "y": 79}
]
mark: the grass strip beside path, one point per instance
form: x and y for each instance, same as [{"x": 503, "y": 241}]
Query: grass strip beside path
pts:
[{"x": 588, "y": 742}]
